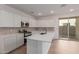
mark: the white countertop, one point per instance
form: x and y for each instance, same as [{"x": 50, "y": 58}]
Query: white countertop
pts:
[
  {"x": 9, "y": 34},
  {"x": 46, "y": 37}
]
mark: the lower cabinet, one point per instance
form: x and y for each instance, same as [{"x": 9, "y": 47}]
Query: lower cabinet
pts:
[
  {"x": 34, "y": 46},
  {"x": 19, "y": 40},
  {"x": 2, "y": 50},
  {"x": 10, "y": 42}
]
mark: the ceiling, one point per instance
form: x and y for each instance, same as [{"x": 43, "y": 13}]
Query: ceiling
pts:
[{"x": 46, "y": 9}]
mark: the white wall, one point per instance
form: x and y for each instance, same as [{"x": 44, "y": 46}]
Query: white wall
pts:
[
  {"x": 52, "y": 21},
  {"x": 71, "y": 14},
  {"x": 49, "y": 21}
]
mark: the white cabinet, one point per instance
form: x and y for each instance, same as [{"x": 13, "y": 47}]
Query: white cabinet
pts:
[
  {"x": 19, "y": 40},
  {"x": 6, "y": 19},
  {"x": 10, "y": 42},
  {"x": 47, "y": 22},
  {"x": 25, "y": 19},
  {"x": 43, "y": 23},
  {"x": 17, "y": 20},
  {"x": 32, "y": 22},
  {"x": 2, "y": 48}
]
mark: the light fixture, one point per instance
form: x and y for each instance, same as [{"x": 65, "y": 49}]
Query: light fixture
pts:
[
  {"x": 51, "y": 11},
  {"x": 71, "y": 10},
  {"x": 39, "y": 14}
]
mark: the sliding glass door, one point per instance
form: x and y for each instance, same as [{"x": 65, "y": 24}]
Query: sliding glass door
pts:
[
  {"x": 63, "y": 28},
  {"x": 67, "y": 28},
  {"x": 72, "y": 28}
]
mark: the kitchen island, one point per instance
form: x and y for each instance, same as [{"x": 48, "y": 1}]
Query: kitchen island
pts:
[{"x": 39, "y": 43}]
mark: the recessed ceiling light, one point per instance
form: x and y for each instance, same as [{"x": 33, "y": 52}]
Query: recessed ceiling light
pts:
[
  {"x": 39, "y": 14},
  {"x": 52, "y": 12},
  {"x": 71, "y": 10}
]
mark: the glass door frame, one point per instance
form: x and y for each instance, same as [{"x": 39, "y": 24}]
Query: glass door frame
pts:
[{"x": 68, "y": 31}]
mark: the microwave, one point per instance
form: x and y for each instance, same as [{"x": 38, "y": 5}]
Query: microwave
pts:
[{"x": 24, "y": 24}]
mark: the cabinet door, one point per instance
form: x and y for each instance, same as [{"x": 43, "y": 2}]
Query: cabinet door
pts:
[
  {"x": 32, "y": 22},
  {"x": 2, "y": 45},
  {"x": 6, "y": 19},
  {"x": 10, "y": 43},
  {"x": 17, "y": 20},
  {"x": 34, "y": 47},
  {"x": 25, "y": 19},
  {"x": 20, "y": 40}
]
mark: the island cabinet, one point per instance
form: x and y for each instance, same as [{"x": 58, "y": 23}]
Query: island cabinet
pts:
[
  {"x": 34, "y": 47},
  {"x": 37, "y": 47},
  {"x": 39, "y": 44},
  {"x": 10, "y": 42}
]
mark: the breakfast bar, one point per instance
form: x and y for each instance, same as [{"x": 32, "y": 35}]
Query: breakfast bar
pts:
[{"x": 39, "y": 43}]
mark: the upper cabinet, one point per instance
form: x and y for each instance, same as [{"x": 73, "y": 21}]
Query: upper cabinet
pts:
[
  {"x": 6, "y": 19},
  {"x": 17, "y": 20},
  {"x": 46, "y": 23},
  {"x": 25, "y": 19},
  {"x": 32, "y": 22}
]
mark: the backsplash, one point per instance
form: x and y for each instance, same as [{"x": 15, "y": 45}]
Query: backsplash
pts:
[
  {"x": 8, "y": 30},
  {"x": 32, "y": 29},
  {"x": 41, "y": 29}
]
